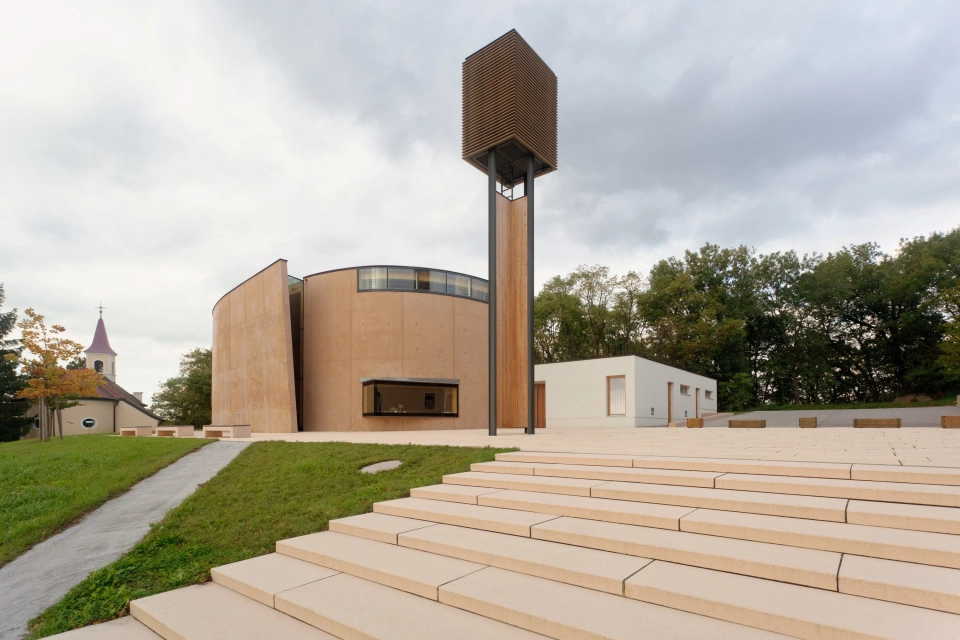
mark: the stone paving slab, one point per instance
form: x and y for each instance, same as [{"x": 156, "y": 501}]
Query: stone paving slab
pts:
[
  {"x": 918, "y": 417},
  {"x": 920, "y": 446},
  {"x": 41, "y": 576}
]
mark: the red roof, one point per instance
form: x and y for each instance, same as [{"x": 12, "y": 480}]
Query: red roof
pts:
[
  {"x": 112, "y": 391},
  {"x": 100, "y": 342}
]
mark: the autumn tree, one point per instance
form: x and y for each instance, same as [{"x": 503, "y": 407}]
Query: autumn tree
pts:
[
  {"x": 14, "y": 423},
  {"x": 49, "y": 382},
  {"x": 186, "y": 399}
]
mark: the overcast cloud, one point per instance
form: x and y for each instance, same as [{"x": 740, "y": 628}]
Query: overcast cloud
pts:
[{"x": 154, "y": 155}]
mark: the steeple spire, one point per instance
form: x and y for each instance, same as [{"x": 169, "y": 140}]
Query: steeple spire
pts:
[
  {"x": 100, "y": 356},
  {"x": 101, "y": 344}
]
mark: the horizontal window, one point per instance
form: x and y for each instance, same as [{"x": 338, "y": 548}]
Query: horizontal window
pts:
[
  {"x": 402, "y": 279},
  {"x": 427, "y": 280},
  {"x": 372, "y": 278},
  {"x": 394, "y": 398},
  {"x": 480, "y": 290},
  {"x": 458, "y": 285}
]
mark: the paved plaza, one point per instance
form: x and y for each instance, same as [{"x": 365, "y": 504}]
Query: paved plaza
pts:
[
  {"x": 905, "y": 446},
  {"x": 912, "y": 417}
]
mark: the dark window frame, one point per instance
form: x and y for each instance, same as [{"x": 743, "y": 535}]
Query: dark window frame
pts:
[{"x": 405, "y": 383}]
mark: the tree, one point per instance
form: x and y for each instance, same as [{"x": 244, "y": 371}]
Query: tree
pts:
[
  {"x": 949, "y": 358},
  {"x": 49, "y": 382},
  {"x": 186, "y": 399},
  {"x": 14, "y": 423},
  {"x": 857, "y": 325}
]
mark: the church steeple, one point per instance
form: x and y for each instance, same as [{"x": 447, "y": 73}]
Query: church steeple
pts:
[{"x": 100, "y": 356}]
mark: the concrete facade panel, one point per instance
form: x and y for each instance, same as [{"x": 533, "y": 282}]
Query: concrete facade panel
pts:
[
  {"x": 349, "y": 335},
  {"x": 253, "y": 354}
]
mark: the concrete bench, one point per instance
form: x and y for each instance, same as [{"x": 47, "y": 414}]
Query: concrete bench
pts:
[
  {"x": 694, "y": 423},
  {"x": 747, "y": 424},
  {"x": 179, "y": 431},
  {"x": 950, "y": 422},
  {"x": 808, "y": 423},
  {"x": 136, "y": 431},
  {"x": 226, "y": 431},
  {"x": 876, "y": 423}
]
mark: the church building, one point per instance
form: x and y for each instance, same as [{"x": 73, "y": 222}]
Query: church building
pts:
[{"x": 113, "y": 407}]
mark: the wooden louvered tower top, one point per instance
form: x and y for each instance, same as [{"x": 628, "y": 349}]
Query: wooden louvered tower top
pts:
[{"x": 509, "y": 104}]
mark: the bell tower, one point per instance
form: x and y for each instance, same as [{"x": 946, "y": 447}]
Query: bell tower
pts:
[
  {"x": 510, "y": 134},
  {"x": 100, "y": 356}
]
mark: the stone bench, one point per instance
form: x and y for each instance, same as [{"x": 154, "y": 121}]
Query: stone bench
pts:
[
  {"x": 747, "y": 424},
  {"x": 808, "y": 423},
  {"x": 950, "y": 422},
  {"x": 876, "y": 423},
  {"x": 136, "y": 431},
  {"x": 179, "y": 431},
  {"x": 694, "y": 423},
  {"x": 226, "y": 431}
]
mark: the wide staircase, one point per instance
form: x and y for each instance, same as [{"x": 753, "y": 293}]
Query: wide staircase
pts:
[{"x": 603, "y": 546}]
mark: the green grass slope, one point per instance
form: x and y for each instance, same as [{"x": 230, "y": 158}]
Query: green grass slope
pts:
[
  {"x": 45, "y": 486},
  {"x": 271, "y": 491}
]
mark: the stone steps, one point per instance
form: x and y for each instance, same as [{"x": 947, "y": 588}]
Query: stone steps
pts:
[
  {"x": 350, "y": 607},
  {"x": 595, "y": 472},
  {"x": 721, "y": 465},
  {"x": 565, "y": 611},
  {"x": 945, "y": 476},
  {"x": 500, "y": 488},
  {"x": 808, "y": 567},
  {"x": 786, "y": 608},
  {"x": 205, "y": 611},
  {"x": 905, "y": 516},
  {"x": 919, "y": 547},
  {"x": 567, "y": 545},
  {"x": 926, "y": 494},
  {"x": 642, "y": 514},
  {"x": 522, "y": 482},
  {"x": 557, "y": 608},
  {"x": 793, "y": 506},
  {"x": 126, "y": 628},
  {"x": 409, "y": 570},
  {"x": 509, "y": 521},
  {"x": 774, "y": 561}
]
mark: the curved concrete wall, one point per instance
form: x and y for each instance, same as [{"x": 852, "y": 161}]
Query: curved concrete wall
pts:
[
  {"x": 349, "y": 335},
  {"x": 253, "y": 354}
]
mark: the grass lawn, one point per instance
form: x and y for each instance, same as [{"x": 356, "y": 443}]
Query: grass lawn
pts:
[
  {"x": 48, "y": 485},
  {"x": 945, "y": 401},
  {"x": 271, "y": 491}
]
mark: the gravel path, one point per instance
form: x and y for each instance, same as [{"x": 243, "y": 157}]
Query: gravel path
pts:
[{"x": 45, "y": 573}]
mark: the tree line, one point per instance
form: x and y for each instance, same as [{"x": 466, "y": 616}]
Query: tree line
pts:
[{"x": 858, "y": 325}]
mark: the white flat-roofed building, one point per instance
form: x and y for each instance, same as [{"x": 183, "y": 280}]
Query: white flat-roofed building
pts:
[{"x": 625, "y": 391}]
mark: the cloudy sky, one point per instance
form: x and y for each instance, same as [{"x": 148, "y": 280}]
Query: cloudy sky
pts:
[{"x": 155, "y": 154}]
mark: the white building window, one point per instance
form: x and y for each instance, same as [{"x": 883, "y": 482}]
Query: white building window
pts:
[
  {"x": 708, "y": 395},
  {"x": 684, "y": 390},
  {"x": 616, "y": 396}
]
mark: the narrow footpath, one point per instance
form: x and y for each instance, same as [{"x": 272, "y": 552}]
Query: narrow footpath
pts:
[{"x": 45, "y": 573}]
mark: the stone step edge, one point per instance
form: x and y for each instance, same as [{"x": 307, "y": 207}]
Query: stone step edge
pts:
[
  {"x": 443, "y": 498},
  {"x": 826, "y": 580},
  {"x": 637, "y": 462}
]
